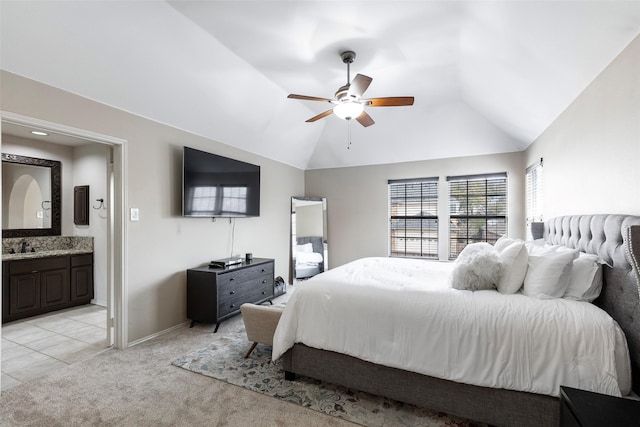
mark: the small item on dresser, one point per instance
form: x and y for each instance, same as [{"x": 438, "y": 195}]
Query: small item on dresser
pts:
[{"x": 248, "y": 257}]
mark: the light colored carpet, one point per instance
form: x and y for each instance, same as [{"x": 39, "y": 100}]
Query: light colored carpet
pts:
[
  {"x": 139, "y": 387},
  {"x": 224, "y": 360}
]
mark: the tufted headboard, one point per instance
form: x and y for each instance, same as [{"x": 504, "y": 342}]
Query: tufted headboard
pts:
[
  {"x": 316, "y": 243},
  {"x": 615, "y": 239}
]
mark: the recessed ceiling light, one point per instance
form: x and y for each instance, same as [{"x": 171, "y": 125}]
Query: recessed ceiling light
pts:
[{"x": 39, "y": 133}]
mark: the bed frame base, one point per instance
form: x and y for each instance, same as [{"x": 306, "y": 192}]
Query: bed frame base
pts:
[{"x": 498, "y": 407}]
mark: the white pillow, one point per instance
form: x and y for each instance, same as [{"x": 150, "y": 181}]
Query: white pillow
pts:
[
  {"x": 307, "y": 247},
  {"x": 585, "y": 283},
  {"x": 548, "y": 272},
  {"x": 477, "y": 268},
  {"x": 515, "y": 259},
  {"x": 502, "y": 243}
]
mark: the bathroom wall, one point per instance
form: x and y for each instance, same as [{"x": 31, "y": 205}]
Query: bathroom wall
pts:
[{"x": 91, "y": 168}]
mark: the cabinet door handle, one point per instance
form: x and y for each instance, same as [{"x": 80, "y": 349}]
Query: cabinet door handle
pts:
[
  {"x": 231, "y": 279},
  {"x": 232, "y": 306},
  {"x": 34, "y": 271},
  {"x": 263, "y": 270},
  {"x": 264, "y": 281},
  {"x": 232, "y": 293},
  {"x": 264, "y": 292}
]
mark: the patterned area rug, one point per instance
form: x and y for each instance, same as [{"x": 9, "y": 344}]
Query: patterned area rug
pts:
[{"x": 224, "y": 360}]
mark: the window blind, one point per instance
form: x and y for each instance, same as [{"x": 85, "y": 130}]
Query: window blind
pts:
[
  {"x": 477, "y": 210},
  {"x": 413, "y": 218}
]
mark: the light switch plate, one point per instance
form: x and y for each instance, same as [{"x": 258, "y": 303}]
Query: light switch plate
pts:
[{"x": 135, "y": 214}]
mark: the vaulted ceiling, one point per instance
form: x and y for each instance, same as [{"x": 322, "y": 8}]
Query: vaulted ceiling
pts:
[{"x": 487, "y": 76}]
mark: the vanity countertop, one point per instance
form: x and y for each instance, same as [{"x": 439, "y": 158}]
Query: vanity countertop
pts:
[{"x": 42, "y": 254}]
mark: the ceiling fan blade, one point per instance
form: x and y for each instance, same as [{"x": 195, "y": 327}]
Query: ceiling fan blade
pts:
[
  {"x": 359, "y": 84},
  {"x": 308, "y": 98},
  {"x": 394, "y": 101},
  {"x": 364, "y": 119},
  {"x": 320, "y": 116}
]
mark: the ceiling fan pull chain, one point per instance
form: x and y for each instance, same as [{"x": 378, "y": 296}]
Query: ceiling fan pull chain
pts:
[{"x": 349, "y": 134}]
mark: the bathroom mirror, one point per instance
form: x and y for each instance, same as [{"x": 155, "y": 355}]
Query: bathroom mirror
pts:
[
  {"x": 31, "y": 199},
  {"x": 309, "y": 253}
]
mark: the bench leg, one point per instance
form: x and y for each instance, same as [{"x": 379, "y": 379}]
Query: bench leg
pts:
[{"x": 251, "y": 349}]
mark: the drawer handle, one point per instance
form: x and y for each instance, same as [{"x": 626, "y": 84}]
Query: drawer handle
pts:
[
  {"x": 231, "y": 279},
  {"x": 264, "y": 292},
  {"x": 263, "y": 270},
  {"x": 232, "y": 306},
  {"x": 264, "y": 281},
  {"x": 232, "y": 293}
]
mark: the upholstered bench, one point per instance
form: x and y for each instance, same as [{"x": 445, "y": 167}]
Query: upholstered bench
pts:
[{"x": 260, "y": 322}]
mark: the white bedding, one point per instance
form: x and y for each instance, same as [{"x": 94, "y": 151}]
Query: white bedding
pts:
[
  {"x": 403, "y": 313},
  {"x": 306, "y": 258}
]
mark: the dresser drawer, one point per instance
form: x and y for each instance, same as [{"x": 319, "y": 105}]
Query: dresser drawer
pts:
[
  {"x": 245, "y": 274},
  {"x": 233, "y": 304},
  {"x": 237, "y": 288}
]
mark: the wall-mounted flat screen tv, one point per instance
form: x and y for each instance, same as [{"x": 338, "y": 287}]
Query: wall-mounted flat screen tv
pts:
[{"x": 217, "y": 186}]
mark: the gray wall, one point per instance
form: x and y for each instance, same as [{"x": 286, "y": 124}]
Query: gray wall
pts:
[
  {"x": 163, "y": 244},
  {"x": 309, "y": 220},
  {"x": 591, "y": 152},
  {"x": 357, "y": 200}
]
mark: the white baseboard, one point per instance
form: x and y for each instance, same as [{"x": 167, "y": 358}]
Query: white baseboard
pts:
[
  {"x": 157, "y": 334},
  {"x": 100, "y": 303}
]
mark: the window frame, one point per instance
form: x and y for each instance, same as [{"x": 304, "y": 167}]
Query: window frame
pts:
[
  {"x": 534, "y": 188},
  {"x": 430, "y": 250},
  {"x": 487, "y": 216}
]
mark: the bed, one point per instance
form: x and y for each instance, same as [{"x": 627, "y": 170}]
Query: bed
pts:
[
  {"x": 614, "y": 238},
  {"x": 309, "y": 257}
]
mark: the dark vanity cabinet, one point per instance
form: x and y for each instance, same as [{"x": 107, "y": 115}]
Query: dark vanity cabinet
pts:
[
  {"x": 81, "y": 277},
  {"x": 40, "y": 285}
]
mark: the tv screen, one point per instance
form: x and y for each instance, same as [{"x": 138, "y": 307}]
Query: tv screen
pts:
[{"x": 216, "y": 186}]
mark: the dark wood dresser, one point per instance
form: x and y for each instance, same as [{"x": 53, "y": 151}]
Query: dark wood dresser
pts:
[{"x": 215, "y": 294}]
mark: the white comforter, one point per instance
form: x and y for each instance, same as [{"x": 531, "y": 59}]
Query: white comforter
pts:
[{"x": 403, "y": 313}]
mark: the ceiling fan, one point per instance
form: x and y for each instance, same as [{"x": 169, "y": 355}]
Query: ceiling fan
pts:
[{"x": 348, "y": 101}]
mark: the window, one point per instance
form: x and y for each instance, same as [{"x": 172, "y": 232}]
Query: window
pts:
[
  {"x": 477, "y": 210},
  {"x": 534, "y": 195},
  {"x": 413, "y": 218},
  {"x": 204, "y": 199},
  {"x": 234, "y": 199}
]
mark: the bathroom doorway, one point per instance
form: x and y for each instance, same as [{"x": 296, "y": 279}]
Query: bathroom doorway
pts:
[{"x": 109, "y": 311}]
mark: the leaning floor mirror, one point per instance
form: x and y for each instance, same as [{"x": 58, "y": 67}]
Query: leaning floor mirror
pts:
[{"x": 309, "y": 254}]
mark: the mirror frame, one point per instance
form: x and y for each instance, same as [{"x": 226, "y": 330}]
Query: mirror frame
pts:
[
  {"x": 325, "y": 237},
  {"x": 56, "y": 179}
]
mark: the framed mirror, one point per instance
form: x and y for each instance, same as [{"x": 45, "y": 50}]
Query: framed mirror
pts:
[
  {"x": 31, "y": 200},
  {"x": 309, "y": 246}
]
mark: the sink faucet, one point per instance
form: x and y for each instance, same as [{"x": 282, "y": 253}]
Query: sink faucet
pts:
[{"x": 23, "y": 246}]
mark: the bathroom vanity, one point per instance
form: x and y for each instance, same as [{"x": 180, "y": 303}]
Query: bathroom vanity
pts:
[{"x": 47, "y": 279}]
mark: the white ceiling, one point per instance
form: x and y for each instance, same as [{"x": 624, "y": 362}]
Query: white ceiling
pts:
[{"x": 487, "y": 76}]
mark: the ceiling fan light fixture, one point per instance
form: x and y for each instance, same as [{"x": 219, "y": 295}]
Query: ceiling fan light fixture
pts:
[{"x": 348, "y": 110}]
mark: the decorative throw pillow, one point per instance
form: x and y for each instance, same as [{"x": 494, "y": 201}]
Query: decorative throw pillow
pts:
[
  {"x": 477, "y": 268},
  {"x": 585, "y": 283},
  {"x": 548, "y": 273},
  {"x": 307, "y": 247},
  {"x": 515, "y": 259},
  {"x": 502, "y": 243}
]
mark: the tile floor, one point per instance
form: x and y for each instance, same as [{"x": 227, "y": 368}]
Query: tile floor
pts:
[{"x": 35, "y": 346}]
